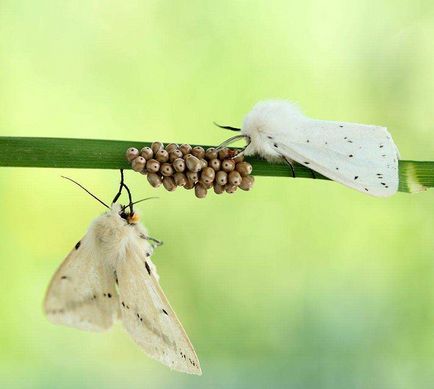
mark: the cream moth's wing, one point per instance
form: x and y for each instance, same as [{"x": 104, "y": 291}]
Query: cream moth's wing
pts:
[
  {"x": 82, "y": 292},
  {"x": 362, "y": 157},
  {"x": 149, "y": 318}
]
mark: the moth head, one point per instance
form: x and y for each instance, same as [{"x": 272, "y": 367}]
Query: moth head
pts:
[
  {"x": 125, "y": 213},
  {"x": 131, "y": 217}
]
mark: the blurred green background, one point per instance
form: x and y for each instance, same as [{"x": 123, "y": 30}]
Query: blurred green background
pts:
[{"x": 299, "y": 283}]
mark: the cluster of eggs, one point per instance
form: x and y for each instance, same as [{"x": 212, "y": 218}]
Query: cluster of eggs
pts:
[{"x": 192, "y": 167}]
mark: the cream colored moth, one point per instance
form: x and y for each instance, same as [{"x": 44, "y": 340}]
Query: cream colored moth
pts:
[{"x": 109, "y": 275}]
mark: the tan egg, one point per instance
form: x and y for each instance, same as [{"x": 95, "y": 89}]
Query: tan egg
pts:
[
  {"x": 171, "y": 146},
  {"x": 238, "y": 158},
  {"x": 192, "y": 176},
  {"x": 206, "y": 185},
  {"x": 223, "y": 153},
  {"x": 193, "y": 163},
  {"x": 244, "y": 168},
  {"x": 169, "y": 184},
  {"x": 228, "y": 165},
  {"x": 234, "y": 178},
  {"x": 175, "y": 154},
  {"x": 207, "y": 175},
  {"x": 204, "y": 163},
  {"x": 131, "y": 154},
  {"x": 147, "y": 153},
  {"x": 221, "y": 178},
  {"x": 185, "y": 149},
  {"x": 152, "y": 166},
  {"x": 230, "y": 188},
  {"x": 162, "y": 156},
  {"x": 166, "y": 169},
  {"x": 200, "y": 191},
  {"x": 179, "y": 164},
  {"x": 198, "y": 152},
  {"x": 154, "y": 179},
  {"x": 157, "y": 146},
  {"x": 218, "y": 189},
  {"x": 189, "y": 185},
  {"x": 211, "y": 153},
  {"x": 247, "y": 183},
  {"x": 180, "y": 179},
  {"x": 138, "y": 164},
  {"x": 215, "y": 164}
]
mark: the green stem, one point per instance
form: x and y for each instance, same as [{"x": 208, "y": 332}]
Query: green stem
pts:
[{"x": 414, "y": 176}]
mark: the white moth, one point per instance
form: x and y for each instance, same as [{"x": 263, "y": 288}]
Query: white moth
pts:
[
  {"x": 362, "y": 157},
  {"x": 109, "y": 275}
]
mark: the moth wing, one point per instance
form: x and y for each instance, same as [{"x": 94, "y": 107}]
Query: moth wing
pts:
[
  {"x": 149, "y": 318},
  {"x": 359, "y": 156},
  {"x": 82, "y": 292}
]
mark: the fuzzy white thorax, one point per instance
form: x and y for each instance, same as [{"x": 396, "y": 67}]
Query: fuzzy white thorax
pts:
[
  {"x": 115, "y": 237},
  {"x": 264, "y": 121}
]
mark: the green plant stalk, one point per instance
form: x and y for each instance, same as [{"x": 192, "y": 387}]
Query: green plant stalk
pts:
[{"x": 414, "y": 176}]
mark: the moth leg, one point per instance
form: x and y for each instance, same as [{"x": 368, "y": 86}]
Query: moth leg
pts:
[
  {"x": 313, "y": 173},
  {"x": 229, "y": 141},
  {"x": 289, "y": 162},
  {"x": 240, "y": 152},
  {"x": 155, "y": 242}
]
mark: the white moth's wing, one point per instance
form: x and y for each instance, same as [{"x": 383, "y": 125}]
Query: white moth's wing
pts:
[
  {"x": 149, "y": 319},
  {"x": 360, "y": 156},
  {"x": 82, "y": 292}
]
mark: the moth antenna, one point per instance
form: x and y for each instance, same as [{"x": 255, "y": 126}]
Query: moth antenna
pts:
[
  {"x": 120, "y": 187},
  {"x": 82, "y": 187},
  {"x": 138, "y": 201},
  {"x": 227, "y": 142},
  {"x": 227, "y": 127}
]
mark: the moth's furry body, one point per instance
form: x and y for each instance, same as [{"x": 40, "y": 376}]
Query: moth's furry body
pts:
[
  {"x": 363, "y": 157},
  {"x": 109, "y": 275},
  {"x": 115, "y": 238}
]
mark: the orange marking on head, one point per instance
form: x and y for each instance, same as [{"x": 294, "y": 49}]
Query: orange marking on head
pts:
[{"x": 133, "y": 218}]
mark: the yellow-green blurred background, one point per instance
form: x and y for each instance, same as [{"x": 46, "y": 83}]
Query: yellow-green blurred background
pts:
[{"x": 299, "y": 283}]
